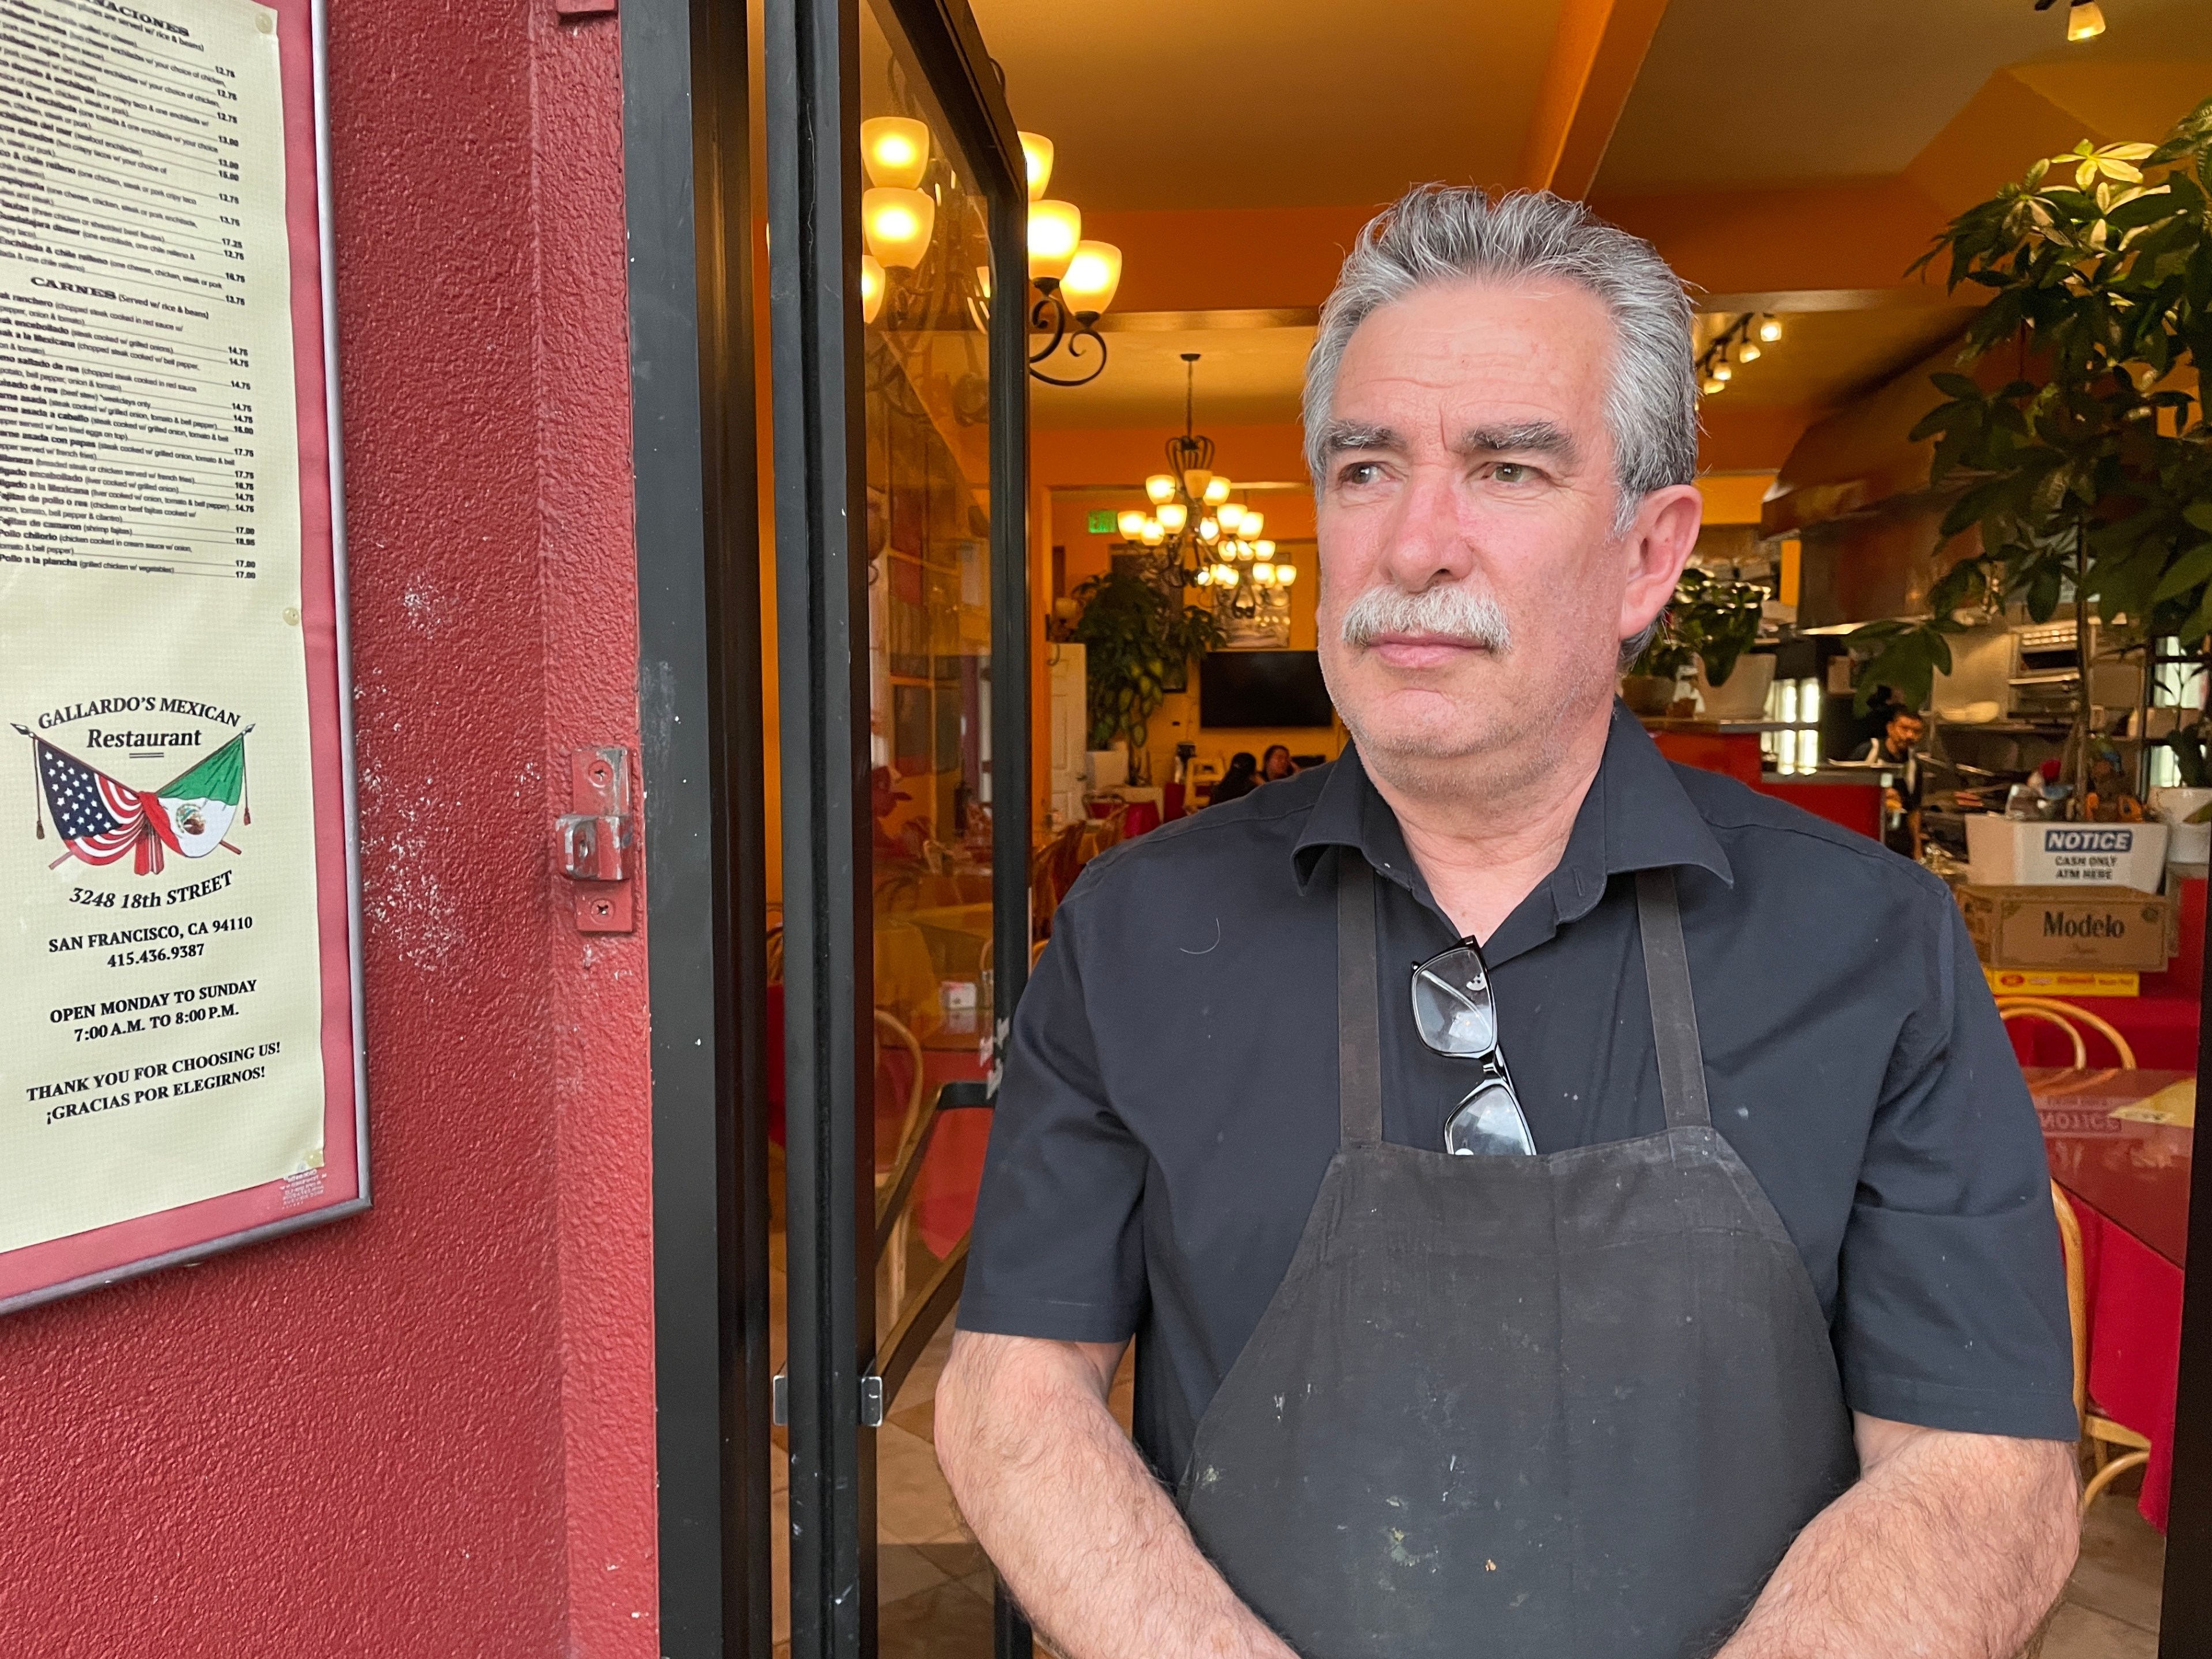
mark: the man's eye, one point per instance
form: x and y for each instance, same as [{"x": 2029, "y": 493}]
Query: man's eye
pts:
[
  {"x": 1511, "y": 472},
  {"x": 1355, "y": 473}
]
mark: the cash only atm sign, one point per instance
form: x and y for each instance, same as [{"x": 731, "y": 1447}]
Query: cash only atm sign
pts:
[{"x": 177, "y": 913}]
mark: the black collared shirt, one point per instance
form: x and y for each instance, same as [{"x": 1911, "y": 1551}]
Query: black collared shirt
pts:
[{"x": 1169, "y": 1103}]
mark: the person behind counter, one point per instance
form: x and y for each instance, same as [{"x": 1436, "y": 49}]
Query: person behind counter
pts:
[
  {"x": 1277, "y": 764},
  {"x": 1900, "y": 802},
  {"x": 1239, "y": 781}
]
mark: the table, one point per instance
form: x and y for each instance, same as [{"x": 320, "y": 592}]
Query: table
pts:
[{"x": 2129, "y": 1184}]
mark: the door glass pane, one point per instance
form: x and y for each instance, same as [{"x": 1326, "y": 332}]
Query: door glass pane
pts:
[{"x": 927, "y": 393}]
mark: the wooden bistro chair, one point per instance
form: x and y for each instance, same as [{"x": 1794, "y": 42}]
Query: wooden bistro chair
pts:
[
  {"x": 2099, "y": 1434},
  {"x": 2065, "y": 1016}
]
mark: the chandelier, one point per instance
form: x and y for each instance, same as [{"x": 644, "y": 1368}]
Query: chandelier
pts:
[
  {"x": 1073, "y": 278},
  {"x": 1193, "y": 529}
]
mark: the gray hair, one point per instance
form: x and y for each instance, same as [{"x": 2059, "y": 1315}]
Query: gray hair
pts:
[{"x": 1434, "y": 233}]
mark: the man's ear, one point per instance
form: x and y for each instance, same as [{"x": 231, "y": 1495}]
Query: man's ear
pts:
[{"x": 1658, "y": 545}]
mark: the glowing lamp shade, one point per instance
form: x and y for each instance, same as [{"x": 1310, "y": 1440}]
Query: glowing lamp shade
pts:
[
  {"x": 1263, "y": 548},
  {"x": 1154, "y": 533},
  {"x": 1224, "y": 575},
  {"x": 871, "y": 286},
  {"x": 1748, "y": 352},
  {"x": 1713, "y": 386},
  {"x": 897, "y": 223},
  {"x": 1285, "y": 574},
  {"x": 1230, "y": 515},
  {"x": 1056, "y": 232},
  {"x": 1197, "y": 481},
  {"x": 1160, "y": 487},
  {"x": 1250, "y": 527},
  {"x": 1723, "y": 371},
  {"x": 2084, "y": 21},
  {"x": 1205, "y": 576},
  {"x": 1092, "y": 276},
  {"x": 1130, "y": 523},
  {"x": 1036, "y": 162},
  {"x": 1217, "y": 491},
  {"x": 1771, "y": 330},
  {"x": 1173, "y": 516},
  {"x": 1209, "y": 530},
  {"x": 1264, "y": 574},
  {"x": 895, "y": 149}
]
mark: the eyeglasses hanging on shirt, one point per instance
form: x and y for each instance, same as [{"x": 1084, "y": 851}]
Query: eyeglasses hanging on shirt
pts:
[{"x": 1456, "y": 1015}]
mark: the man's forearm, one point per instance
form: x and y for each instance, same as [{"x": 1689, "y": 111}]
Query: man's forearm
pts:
[
  {"x": 1949, "y": 1546},
  {"x": 1085, "y": 1538}
]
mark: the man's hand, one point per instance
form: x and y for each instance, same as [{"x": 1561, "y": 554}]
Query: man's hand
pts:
[
  {"x": 1949, "y": 1546},
  {"x": 1088, "y": 1542}
]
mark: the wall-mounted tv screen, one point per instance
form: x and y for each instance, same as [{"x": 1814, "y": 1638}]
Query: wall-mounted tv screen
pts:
[{"x": 1262, "y": 688}]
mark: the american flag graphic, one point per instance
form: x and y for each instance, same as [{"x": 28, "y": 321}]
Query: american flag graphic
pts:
[{"x": 98, "y": 818}]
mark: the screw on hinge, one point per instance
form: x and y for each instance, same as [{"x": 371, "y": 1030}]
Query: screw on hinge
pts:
[{"x": 780, "y": 1401}]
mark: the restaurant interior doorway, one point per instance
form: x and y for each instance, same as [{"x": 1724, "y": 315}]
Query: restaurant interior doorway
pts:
[{"x": 894, "y": 509}]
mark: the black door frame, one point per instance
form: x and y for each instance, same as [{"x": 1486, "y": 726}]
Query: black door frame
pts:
[
  {"x": 688, "y": 207},
  {"x": 812, "y": 58}
]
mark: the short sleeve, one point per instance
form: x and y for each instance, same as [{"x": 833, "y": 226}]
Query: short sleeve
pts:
[
  {"x": 1056, "y": 1251},
  {"x": 1952, "y": 1304}
]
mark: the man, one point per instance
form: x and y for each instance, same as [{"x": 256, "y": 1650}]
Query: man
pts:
[
  {"x": 1898, "y": 748},
  {"x": 1751, "y": 1259}
]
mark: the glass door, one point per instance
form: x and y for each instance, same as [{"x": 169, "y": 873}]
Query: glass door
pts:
[{"x": 897, "y": 211}]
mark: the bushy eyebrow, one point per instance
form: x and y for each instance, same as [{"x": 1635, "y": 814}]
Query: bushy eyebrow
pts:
[
  {"x": 1530, "y": 438},
  {"x": 1340, "y": 436}
]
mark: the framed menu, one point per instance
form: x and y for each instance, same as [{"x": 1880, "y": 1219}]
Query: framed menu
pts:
[{"x": 179, "y": 913}]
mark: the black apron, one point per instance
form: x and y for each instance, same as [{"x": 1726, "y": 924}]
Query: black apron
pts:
[{"x": 1574, "y": 1406}]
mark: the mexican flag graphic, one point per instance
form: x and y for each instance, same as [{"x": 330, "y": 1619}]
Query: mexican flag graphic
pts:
[{"x": 202, "y": 802}]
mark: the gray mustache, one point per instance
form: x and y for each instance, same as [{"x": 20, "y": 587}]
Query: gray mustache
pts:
[{"x": 1450, "y": 610}]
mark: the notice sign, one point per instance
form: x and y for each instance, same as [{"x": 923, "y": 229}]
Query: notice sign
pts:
[{"x": 176, "y": 929}]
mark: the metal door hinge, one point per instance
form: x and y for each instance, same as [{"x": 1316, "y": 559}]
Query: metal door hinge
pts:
[
  {"x": 592, "y": 844},
  {"x": 779, "y": 1411},
  {"x": 871, "y": 1402}
]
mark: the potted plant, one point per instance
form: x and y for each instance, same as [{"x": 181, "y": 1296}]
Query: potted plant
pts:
[
  {"x": 2089, "y": 476},
  {"x": 1139, "y": 637},
  {"x": 1719, "y": 619},
  {"x": 1653, "y": 682},
  {"x": 2187, "y": 810},
  {"x": 1709, "y": 623}
]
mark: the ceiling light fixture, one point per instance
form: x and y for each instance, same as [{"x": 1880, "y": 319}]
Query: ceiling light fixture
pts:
[
  {"x": 1737, "y": 341},
  {"x": 2084, "y": 21}
]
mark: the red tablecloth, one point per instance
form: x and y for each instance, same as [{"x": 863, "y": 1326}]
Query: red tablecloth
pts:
[{"x": 2129, "y": 1183}]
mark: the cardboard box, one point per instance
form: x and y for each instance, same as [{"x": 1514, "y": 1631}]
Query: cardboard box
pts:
[
  {"x": 2081, "y": 929},
  {"x": 2056, "y": 982},
  {"x": 2015, "y": 852}
]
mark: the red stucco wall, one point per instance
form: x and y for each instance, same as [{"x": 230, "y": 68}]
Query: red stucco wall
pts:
[{"x": 426, "y": 1431}]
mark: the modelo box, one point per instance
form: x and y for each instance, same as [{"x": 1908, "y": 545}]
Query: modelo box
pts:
[
  {"x": 2015, "y": 851},
  {"x": 2084, "y": 929}
]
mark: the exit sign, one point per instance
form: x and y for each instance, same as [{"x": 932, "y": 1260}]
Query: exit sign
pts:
[{"x": 1101, "y": 524}]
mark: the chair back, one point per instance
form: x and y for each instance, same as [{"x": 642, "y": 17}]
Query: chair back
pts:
[
  {"x": 2069, "y": 1018},
  {"x": 2077, "y": 1293}
]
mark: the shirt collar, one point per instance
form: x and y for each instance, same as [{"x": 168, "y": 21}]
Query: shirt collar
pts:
[{"x": 1636, "y": 816}]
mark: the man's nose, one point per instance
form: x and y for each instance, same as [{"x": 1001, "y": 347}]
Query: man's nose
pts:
[{"x": 1428, "y": 541}]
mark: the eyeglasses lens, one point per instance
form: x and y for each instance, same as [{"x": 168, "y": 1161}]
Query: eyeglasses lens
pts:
[
  {"x": 1489, "y": 1124},
  {"x": 1452, "y": 1005}
]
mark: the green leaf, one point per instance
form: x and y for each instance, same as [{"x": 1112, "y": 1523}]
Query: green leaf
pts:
[{"x": 2185, "y": 572}]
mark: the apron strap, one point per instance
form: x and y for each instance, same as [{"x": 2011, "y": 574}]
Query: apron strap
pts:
[
  {"x": 1359, "y": 1026},
  {"x": 1674, "y": 1010}
]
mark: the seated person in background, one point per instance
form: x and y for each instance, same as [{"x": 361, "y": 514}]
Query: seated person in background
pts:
[
  {"x": 1277, "y": 764},
  {"x": 1239, "y": 782}
]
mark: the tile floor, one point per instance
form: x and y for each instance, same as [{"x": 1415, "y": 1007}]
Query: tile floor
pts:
[{"x": 2110, "y": 1609}]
